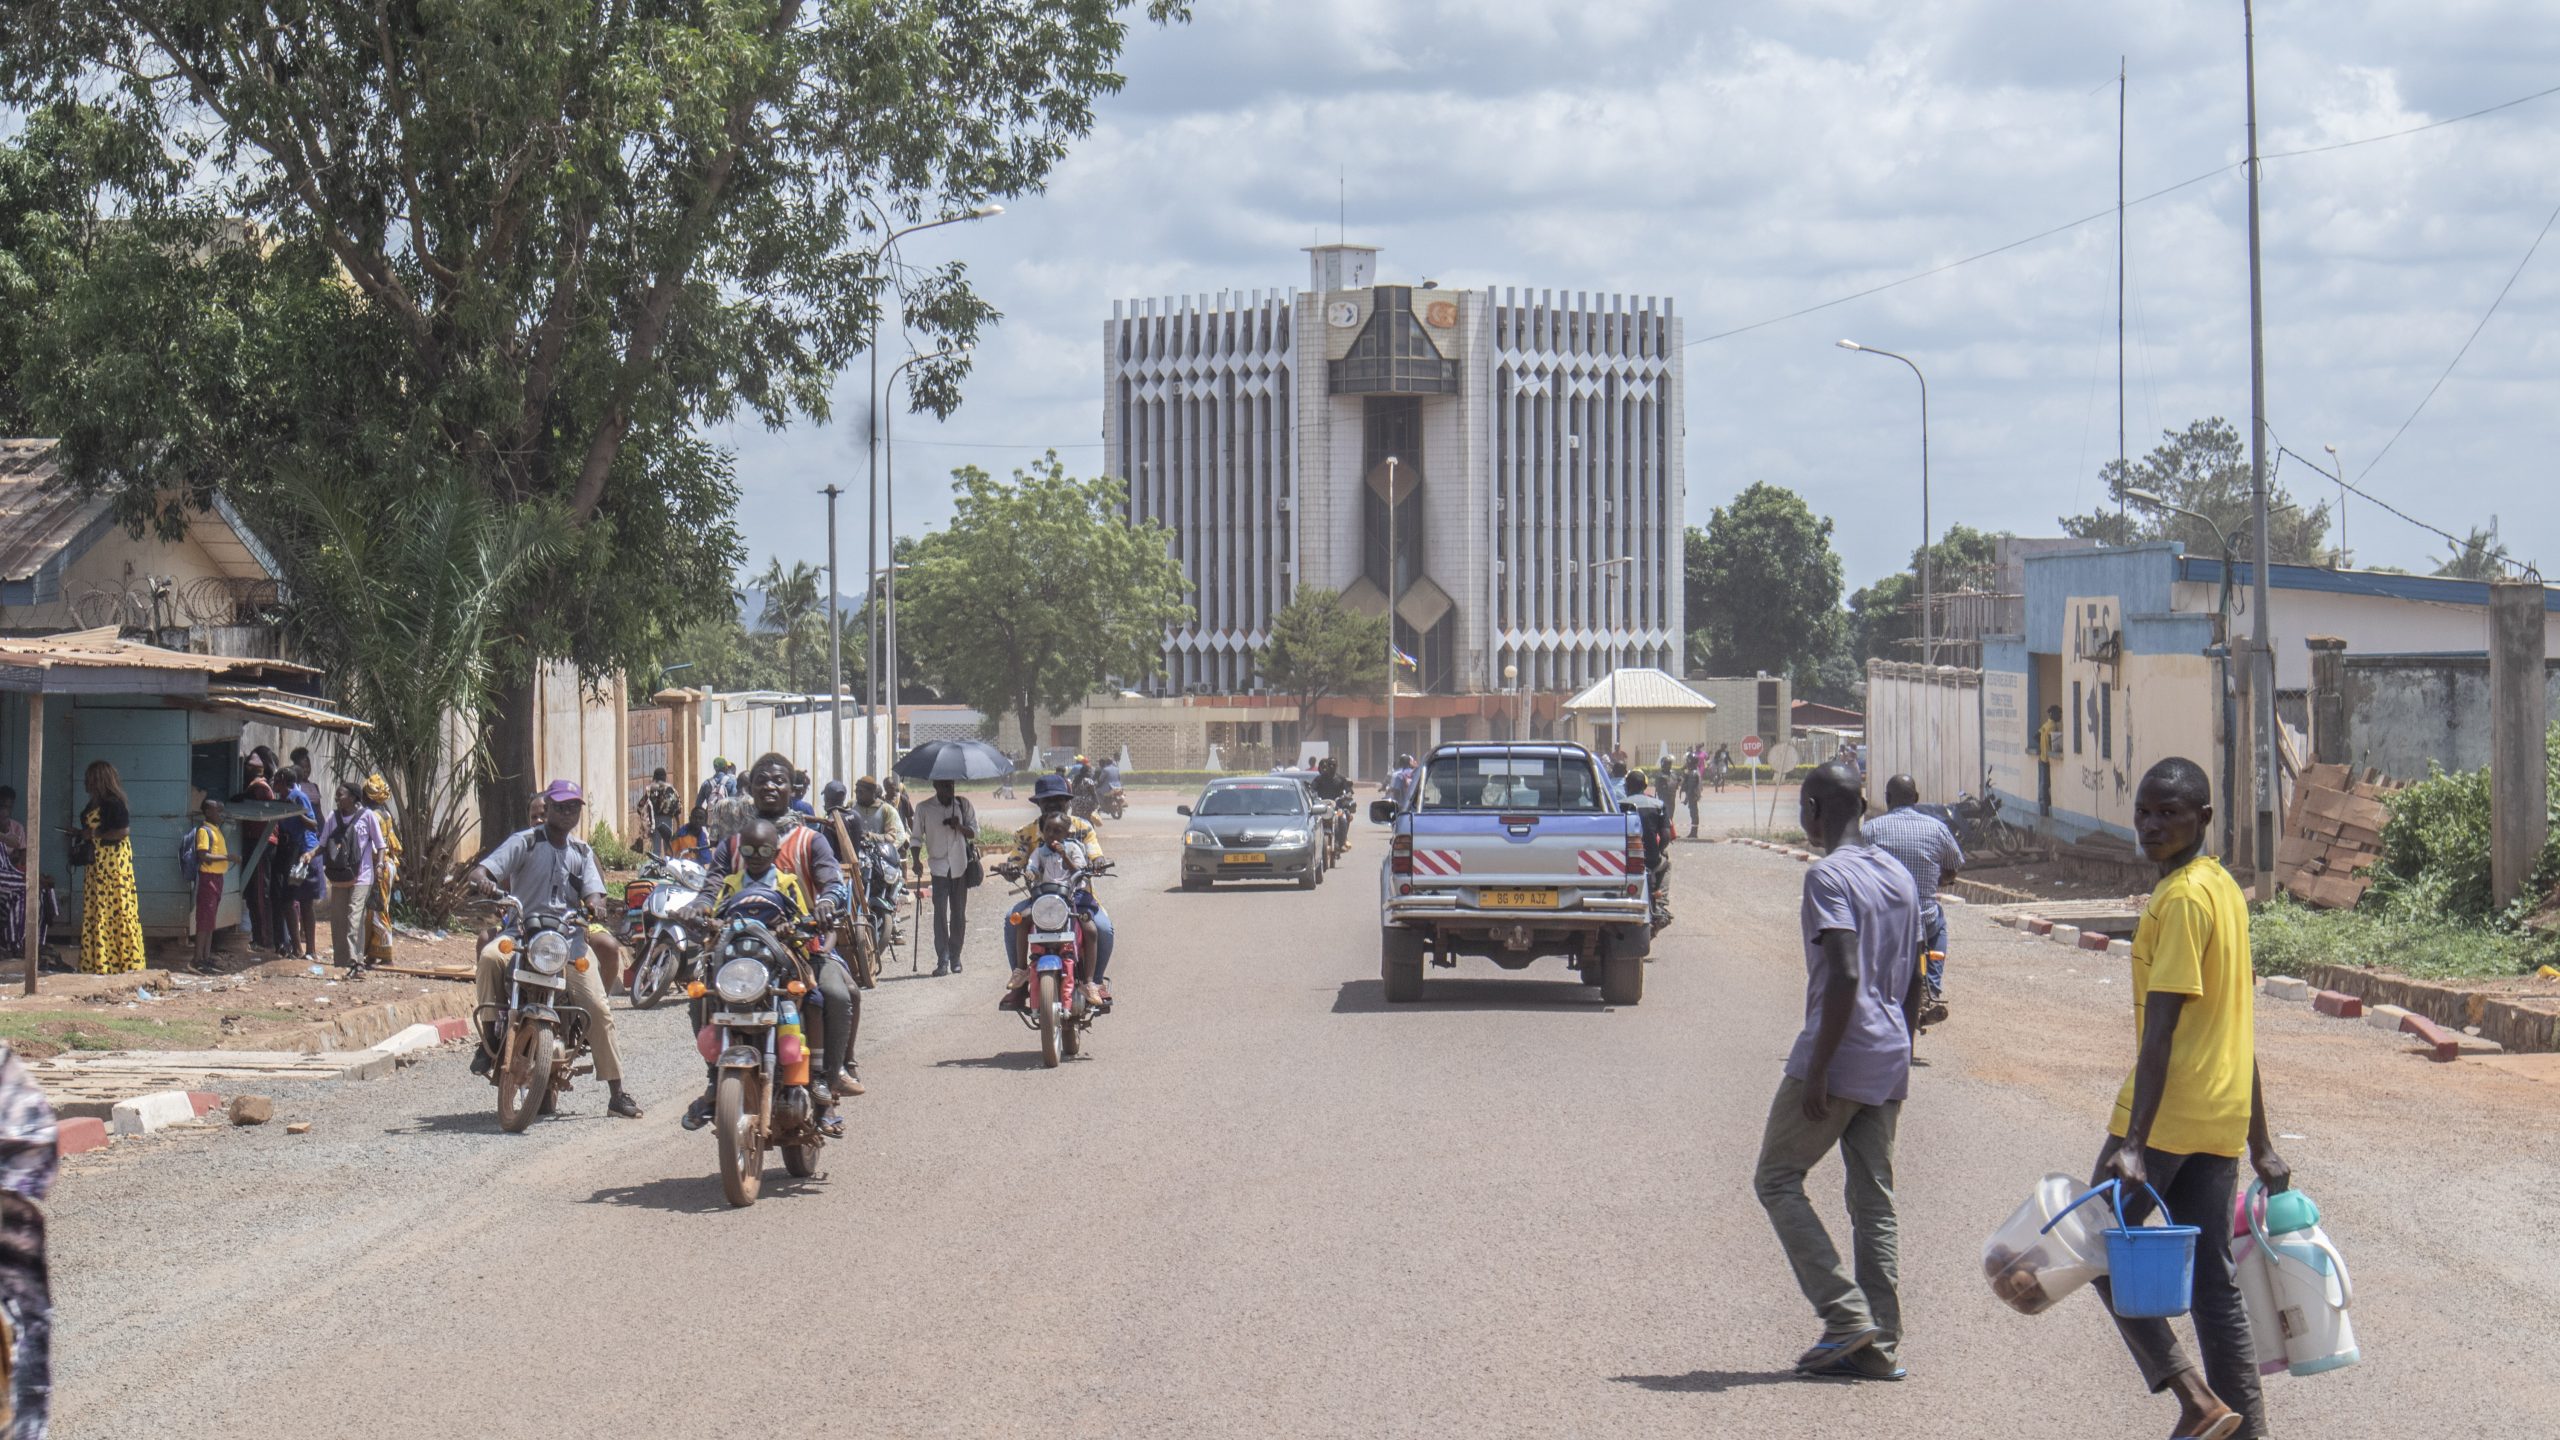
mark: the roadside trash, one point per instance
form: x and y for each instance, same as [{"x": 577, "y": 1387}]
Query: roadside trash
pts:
[
  {"x": 143, "y": 993},
  {"x": 2294, "y": 1284},
  {"x": 2045, "y": 1250},
  {"x": 2548, "y": 972},
  {"x": 2150, "y": 1268},
  {"x": 319, "y": 969}
]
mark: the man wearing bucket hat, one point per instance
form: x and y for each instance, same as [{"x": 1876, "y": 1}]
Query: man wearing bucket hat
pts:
[{"x": 2192, "y": 1105}]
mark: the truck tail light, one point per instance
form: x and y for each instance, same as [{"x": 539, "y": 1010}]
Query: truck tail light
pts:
[
  {"x": 1400, "y": 856},
  {"x": 1635, "y": 864}
]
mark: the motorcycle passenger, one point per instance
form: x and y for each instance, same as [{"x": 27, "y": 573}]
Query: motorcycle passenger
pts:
[
  {"x": 1656, "y": 826},
  {"x": 1332, "y": 786},
  {"x": 1053, "y": 795},
  {"x": 549, "y": 869},
  {"x": 800, "y": 794},
  {"x": 1928, "y": 849},
  {"x": 805, "y": 853}
]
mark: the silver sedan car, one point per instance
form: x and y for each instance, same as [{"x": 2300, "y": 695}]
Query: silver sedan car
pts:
[{"x": 1252, "y": 827}]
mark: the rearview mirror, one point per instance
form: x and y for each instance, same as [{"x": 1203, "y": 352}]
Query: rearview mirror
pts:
[
  {"x": 1382, "y": 812},
  {"x": 1181, "y": 809}
]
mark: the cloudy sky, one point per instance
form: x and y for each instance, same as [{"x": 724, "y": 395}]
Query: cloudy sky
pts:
[{"x": 1751, "y": 160}]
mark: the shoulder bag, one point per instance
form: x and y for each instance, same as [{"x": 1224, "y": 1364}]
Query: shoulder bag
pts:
[{"x": 976, "y": 873}]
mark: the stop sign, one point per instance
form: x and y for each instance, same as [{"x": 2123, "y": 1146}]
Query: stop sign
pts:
[{"x": 1750, "y": 747}]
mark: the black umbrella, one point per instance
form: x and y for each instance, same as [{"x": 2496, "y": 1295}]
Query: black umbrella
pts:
[{"x": 953, "y": 760}]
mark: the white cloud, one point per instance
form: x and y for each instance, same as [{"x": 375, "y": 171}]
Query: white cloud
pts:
[{"x": 1749, "y": 160}]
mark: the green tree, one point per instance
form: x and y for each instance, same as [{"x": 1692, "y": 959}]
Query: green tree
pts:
[
  {"x": 2204, "y": 468},
  {"x": 2480, "y": 556},
  {"x": 1038, "y": 592},
  {"x": 1320, "y": 646},
  {"x": 793, "y": 612},
  {"x": 1884, "y": 618},
  {"x": 568, "y": 235},
  {"x": 1762, "y": 583}
]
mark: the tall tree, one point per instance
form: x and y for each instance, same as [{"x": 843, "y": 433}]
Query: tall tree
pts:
[
  {"x": 1762, "y": 583},
  {"x": 1884, "y": 617},
  {"x": 1038, "y": 592},
  {"x": 2480, "y": 556},
  {"x": 1320, "y": 646},
  {"x": 2204, "y": 468},
  {"x": 793, "y": 612},
  {"x": 572, "y": 232}
]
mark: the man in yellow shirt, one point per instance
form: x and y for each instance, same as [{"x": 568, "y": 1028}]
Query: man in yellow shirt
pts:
[
  {"x": 209, "y": 856},
  {"x": 2048, "y": 750},
  {"x": 2192, "y": 1105}
]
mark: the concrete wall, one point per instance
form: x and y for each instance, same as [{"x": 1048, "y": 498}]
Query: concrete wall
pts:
[
  {"x": 2404, "y": 712},
  {"x": 1925, "y": 722},
  {"x": 1737, "y": 709},
  {"x": 1650, "y": 734},
  {"x": 739, "y": 730}
]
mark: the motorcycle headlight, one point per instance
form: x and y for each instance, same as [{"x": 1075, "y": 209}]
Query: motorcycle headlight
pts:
[
  {"x": 1049, "y": 912},
  {"x": 741, "y": 981},
  {"x": 1198, "y": 837},
  {"x": 548, "y": 952}
]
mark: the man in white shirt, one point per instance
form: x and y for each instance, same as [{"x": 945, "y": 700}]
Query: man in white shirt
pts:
[{"x": 947, "y": 825}]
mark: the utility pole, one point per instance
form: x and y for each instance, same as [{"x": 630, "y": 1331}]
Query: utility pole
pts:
[
  {"x": 2123, "y": 475},
  {"x": 871, "y": 566},
  {"x": 1391, "y": 617},
  {"x": 2262, "y": 658},
  {"x": 835, "y": 641}
]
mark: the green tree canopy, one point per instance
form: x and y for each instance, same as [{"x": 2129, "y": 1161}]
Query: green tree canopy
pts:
[
  {"x": 1762, "y": 583},
  {"x": 1038, "y": 592},
  {"x": 2204, "y": 468},
  {"x": 1884, "y": 617},
  {"x": 1320, "y": 646}
]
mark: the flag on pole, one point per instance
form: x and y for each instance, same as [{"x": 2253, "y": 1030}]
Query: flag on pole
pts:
[{"x": 1403, "y": 659}]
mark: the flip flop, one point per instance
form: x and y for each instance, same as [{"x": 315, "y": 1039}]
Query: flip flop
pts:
[{"x": 1826, "y": 1353}]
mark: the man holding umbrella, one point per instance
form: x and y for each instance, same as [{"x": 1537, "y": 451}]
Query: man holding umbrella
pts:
[{"x": 947, "y": 826}]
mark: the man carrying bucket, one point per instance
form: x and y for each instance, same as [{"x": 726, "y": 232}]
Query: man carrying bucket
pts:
[
  {"x": 2193, "y": 1101},
  {"x": 1845, "y": 1082}
]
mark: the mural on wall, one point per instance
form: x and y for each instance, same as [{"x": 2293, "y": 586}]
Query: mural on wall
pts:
[
  {"x": 2006, "y": 733},
  {"x": 2099, "y": 742}
]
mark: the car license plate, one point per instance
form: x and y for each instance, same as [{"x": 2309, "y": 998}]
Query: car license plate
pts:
[
  {"x": 1516, "y": 899},
  {"x": 1245, "y": 857}
]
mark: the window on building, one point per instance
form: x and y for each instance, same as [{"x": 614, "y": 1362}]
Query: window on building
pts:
[{"x": 1767, "y": 719}]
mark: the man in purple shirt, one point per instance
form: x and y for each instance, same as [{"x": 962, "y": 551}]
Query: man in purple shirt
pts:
[{"x": 1845, "y": 1081}]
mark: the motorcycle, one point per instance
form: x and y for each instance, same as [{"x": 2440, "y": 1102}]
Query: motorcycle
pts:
[
  {"x": 1056, "y": 1003},
  {"x": 884, "y": 894},
  {"x": 1088, "y": 796},
  {"x": 1978, "y": 828},
  {"x": 667, "y": 931},
  {"x": 1115, "y": 802},
  {"x": 1338, "y": 829},
  {"x": 534, "y": 1037},
  {"x": 757, "y": 1041}
]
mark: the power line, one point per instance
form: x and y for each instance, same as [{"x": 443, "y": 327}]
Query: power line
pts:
[
  {"x": 2512, "y": 277},
  {"x": 2414, "y": 129}
]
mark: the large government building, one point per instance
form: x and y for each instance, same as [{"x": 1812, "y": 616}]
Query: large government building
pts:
[{"x": 1501, "y": 468}]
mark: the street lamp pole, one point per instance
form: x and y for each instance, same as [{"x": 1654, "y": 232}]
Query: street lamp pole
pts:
[
  {"x": 2222, "y": 648},
  {"x": 889, "y": 459},
  {"x": 871, "y": 445},
  {"x": 835, "y": 642},
  {"x": 2340, "y": 466},
  {"x": 1616, "y": 657},
  {"x": 1928, "y": 608},
  {"x": 1391, "y": 617}
]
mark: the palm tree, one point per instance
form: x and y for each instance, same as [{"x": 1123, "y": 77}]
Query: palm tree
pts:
[
  {"x": 792, "y": 610},
  {"x": 2481, "y": 555}
]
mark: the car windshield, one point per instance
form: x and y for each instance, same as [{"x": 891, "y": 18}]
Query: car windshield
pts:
[
  {"x": 1508, "y": 780},
  {"x": 1283, "y": 798}
]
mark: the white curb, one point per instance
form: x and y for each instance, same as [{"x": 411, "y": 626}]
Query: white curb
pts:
[
  {"x": 416, "y": 1037},
  {"x": 157, "y": 1111}
]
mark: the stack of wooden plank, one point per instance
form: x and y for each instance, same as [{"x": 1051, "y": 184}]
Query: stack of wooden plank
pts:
[{"x": 2332, "y": 835}]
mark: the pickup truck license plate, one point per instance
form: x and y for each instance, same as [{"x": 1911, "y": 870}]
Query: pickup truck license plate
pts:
[
  {"x": 1244, "y": 857},
  {"x": 1516, "y": 899}
]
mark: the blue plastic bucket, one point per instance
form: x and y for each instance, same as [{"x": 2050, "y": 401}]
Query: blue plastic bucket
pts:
[{"x": 2151, "y": 1270}]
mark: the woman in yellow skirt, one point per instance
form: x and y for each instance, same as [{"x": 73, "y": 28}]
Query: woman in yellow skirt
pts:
[{"x": 111, "y": 911}]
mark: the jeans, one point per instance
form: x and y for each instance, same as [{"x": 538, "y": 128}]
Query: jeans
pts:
[
  {"x": 950, "y": 918},
  {"x": 1933, "y": 942},
  {"x": 2197, "y": 1190},
  {"x": 1017, "y": 937},
  {"x": 1793, "y": 1145}
]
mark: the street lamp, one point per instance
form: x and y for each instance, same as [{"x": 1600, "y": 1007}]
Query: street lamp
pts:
[
  {"x": 1391, "y": 618},
  {"x": 1511, "y": 682},
  {"x": 1928, "y": 620},
  {"x": 871, "y": 445},
  {"x": 2340, "y": 466},
  {"x": 889, "y": 460},
  {"x": 1611, "y": 619}
]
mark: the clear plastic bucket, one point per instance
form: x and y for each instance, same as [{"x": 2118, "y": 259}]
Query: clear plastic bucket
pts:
[{"x": 2046, "y": 1249}]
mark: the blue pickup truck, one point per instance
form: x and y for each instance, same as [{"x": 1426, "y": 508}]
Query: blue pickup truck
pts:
[{"x": 1512, "y": 851}]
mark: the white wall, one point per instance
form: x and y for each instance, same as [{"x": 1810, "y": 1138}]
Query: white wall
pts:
[
  {"x": 2370, "y": 624},
  {"x": 1926, "y": 724}
]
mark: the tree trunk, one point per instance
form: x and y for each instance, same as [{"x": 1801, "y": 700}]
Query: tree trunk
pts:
[
  {"x": 506, "y": 791},
  {"x": 1025, "y": 717}
]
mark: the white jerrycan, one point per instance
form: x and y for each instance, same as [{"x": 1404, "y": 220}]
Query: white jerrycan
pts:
[{"x": 2301, "y": 1286}]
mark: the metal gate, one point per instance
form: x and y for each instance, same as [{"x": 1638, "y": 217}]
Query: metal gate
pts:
[{"x": 649, "y": 739}]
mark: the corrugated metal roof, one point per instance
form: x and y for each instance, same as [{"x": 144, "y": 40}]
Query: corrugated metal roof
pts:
[
  {"x": 100, "y": 649},
  {"x": 1640, "y": 688},
  {"x": 35, "y": 521},
  {"x": 277, "y": 705}
]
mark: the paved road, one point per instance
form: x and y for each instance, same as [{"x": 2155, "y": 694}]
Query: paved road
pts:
[{"x": 1267, "y": 1205}]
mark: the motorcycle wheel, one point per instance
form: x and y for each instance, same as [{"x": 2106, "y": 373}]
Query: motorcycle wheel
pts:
[
  {"x": 524, "y": 1082},
  {"x": 651, "y": 978},
  {"x": 741, "y": 1148},
  {"x": 1046, "y": 999},
  {"x": 862, "y": 953},
  {"x": 1071, "y": 1035},
  {"x": 800, "y": 1161}
]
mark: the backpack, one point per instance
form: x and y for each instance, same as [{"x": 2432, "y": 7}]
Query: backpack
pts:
[{"x": 341, "y": 859}]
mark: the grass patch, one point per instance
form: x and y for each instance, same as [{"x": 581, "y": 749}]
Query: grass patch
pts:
[
  {"x": 88, "y": 1030},
  {"x": 2287, "y": 938}
]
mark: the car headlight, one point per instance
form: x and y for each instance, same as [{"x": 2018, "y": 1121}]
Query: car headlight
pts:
[
  {"x": 1287, "y": 838},
  {"x": 740, "y": 981},
  {"x": 1198, "y": 837},
  {"x": 1049, "y": 912},
  {"x": 548, "y": 952}
]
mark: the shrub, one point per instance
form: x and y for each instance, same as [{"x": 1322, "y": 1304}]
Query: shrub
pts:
[
  {"x": 2435, "y": 850},
  {"x": 611, "y": 853},
  {"x": 2288, "y": 938}
]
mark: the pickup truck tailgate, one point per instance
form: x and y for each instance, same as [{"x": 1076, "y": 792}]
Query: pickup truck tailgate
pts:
[{"x": 1527, "y": 848}]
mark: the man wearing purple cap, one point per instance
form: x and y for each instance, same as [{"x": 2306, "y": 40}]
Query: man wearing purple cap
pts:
[{"x": 548, "y": 868}]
